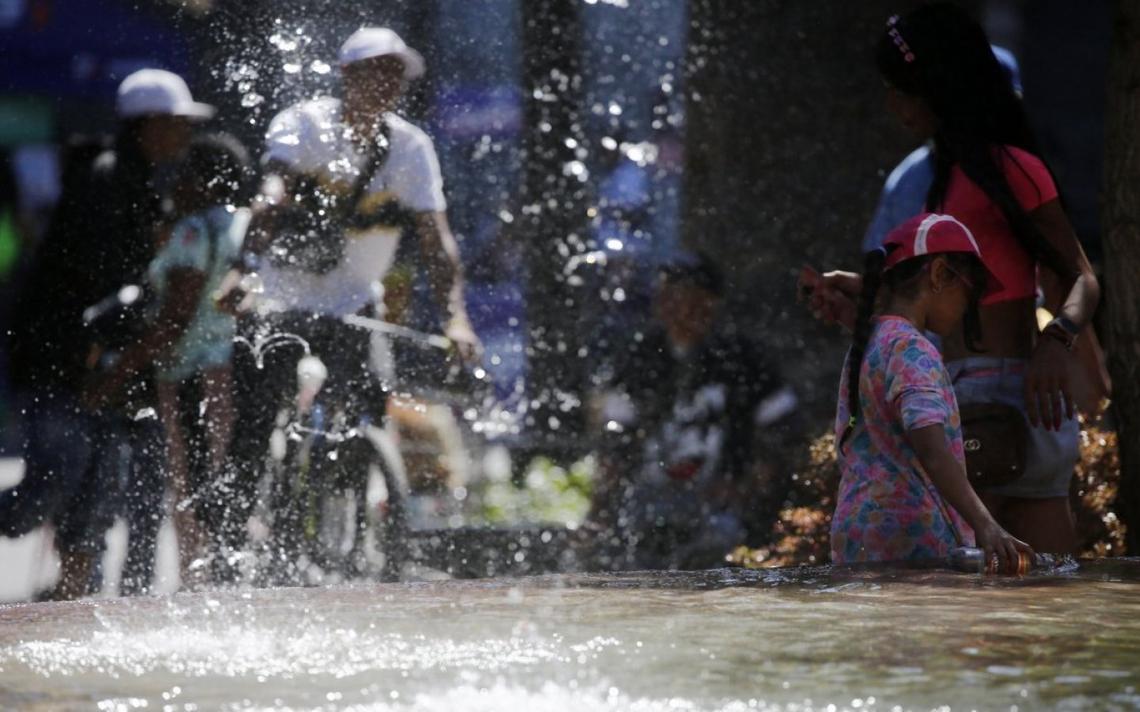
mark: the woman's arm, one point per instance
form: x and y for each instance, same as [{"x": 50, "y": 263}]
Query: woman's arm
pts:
[
  {"x": 184, "y": 288},
  {"x": 1074, "y": 297},
  {"x": 949, "y": 476},
  {"x": 445, "y": 276},
  {"x": 1048, "y": 387}
]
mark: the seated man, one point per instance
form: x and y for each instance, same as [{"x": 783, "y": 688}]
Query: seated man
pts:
[{"x": 695, "y": 420}]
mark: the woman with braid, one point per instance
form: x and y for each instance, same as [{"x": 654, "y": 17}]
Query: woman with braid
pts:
[
  {"x": 903, "y": 494},
  {"x": 944, "y": 84}
]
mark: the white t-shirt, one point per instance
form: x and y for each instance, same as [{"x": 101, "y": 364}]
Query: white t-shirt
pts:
[{"x": 311, "y": 138}]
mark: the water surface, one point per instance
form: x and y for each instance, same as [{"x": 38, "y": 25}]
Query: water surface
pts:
[{"x": 803, "y": 639}]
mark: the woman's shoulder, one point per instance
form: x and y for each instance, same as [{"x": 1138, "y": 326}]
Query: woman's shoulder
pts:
[
  {"x": 1007, "y": 151},
  {"x": 1028, "y": 176}
]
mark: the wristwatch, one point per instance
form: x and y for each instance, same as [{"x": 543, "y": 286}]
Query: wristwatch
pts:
[{"x": 1064, "y": 330}]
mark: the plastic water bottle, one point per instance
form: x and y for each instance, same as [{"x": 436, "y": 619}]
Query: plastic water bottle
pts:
[{"x": 973, "y": 560}]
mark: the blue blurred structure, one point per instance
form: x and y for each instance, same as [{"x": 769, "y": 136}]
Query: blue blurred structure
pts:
[{"x": 69, "y": 53}]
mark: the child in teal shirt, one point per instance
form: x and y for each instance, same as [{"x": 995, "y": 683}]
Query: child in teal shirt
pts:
[{"x": 189, "y": 340}]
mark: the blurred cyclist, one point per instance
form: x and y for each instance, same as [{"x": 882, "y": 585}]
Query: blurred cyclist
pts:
[{"x": 345, "y": 179}]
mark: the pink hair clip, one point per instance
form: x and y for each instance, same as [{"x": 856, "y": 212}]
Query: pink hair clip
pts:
[{"x": 897, "y": 38}]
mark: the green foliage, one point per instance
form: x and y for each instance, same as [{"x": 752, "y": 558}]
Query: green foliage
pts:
[{"x": 549, "y": 494}]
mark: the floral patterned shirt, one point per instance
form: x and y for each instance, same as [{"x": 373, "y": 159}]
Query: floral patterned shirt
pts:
[{"x": 887, "y": 508}]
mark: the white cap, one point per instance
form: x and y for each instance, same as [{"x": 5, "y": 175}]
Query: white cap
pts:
[
  {"x": 303, "y": 138},
  {"x": 369, "y": 42},
  {"x": 149, "y": 92}
]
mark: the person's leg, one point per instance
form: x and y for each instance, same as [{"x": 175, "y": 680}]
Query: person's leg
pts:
[
  {"x": 1045, "y": 523},
  {"x": 143, "y": 500},
  {"x": 56, "y": 452},
  {"x": 89, "y": 510},
  {"x": 1035, "y": 507},
  {"x": 185, "y": 522},
  {"x": 216, "y": 386},
  {"x": 58, "y": 456},
  {"x": 263, "y": 383}
]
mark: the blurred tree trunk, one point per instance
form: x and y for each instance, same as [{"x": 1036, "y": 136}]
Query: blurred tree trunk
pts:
[
  {"x": 787, "y": 145},
  {"x": 552, "y": 213},
  {"x": 1122, "y": 254}
]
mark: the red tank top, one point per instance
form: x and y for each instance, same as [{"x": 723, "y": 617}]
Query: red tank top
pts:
[{"x": 1032, "y": 186}]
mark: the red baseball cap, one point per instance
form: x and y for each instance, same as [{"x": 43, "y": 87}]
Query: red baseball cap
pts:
[{"x": 932, "y": 234}]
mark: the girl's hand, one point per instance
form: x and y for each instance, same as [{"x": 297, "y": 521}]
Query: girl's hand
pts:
[
  {"x": 1047, "y": 391},
  {"x": 1004, "y": 552}
]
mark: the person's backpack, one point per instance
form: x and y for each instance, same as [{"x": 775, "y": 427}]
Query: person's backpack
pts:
[{"x": 309, "y": 234}]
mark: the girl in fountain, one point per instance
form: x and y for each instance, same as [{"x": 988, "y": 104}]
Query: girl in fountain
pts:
[
  {"x": 944, "y": 84},
  {"x": 904, "y": 492}
]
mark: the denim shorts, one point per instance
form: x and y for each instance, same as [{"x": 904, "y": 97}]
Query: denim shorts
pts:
[{"x": 1051, "y": 456}]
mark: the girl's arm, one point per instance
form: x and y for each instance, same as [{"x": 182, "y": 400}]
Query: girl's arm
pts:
[{"x": 949, "y": 476}]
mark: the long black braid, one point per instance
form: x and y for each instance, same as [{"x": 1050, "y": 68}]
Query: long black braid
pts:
[{"x": 861, "y": 334}]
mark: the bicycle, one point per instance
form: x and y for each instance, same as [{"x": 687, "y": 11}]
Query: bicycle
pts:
[{"x": 337, "y": 499}]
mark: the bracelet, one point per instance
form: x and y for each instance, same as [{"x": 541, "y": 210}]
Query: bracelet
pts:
[
  {"x": 1061, "y": 334},
  {"x": 1067, "y": 324}
]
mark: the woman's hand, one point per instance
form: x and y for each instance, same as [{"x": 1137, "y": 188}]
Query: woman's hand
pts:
[
  {"x": 467, "y": 345},
  {"x": 1004, "y": 553},
  {"x": 1048, "y": 395},
  {"x": 832, "y": 297}
]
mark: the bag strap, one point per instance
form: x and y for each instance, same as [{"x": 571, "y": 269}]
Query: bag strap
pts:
[
  {"x": 377, "y": 156},
  {"x": 213, "y": 236}
]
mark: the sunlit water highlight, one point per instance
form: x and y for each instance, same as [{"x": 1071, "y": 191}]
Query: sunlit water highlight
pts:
[{"x": 809, "y": 639}]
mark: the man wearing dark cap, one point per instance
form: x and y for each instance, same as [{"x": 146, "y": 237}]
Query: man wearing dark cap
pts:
[{"x": 692, "y": 417}]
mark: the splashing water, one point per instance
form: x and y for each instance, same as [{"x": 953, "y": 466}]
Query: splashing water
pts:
[{"x": 809, "y": 639}]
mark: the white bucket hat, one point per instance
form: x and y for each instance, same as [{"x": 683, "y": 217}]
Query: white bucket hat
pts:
[
  {"x": 369, "y": 42},
  {"x": 151, "y": 92}
]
